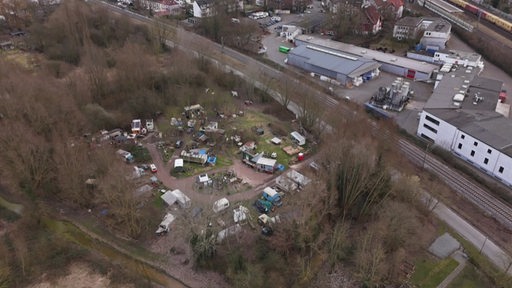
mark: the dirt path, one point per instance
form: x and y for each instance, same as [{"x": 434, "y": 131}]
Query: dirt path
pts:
[{"x": 257, "y": 180}]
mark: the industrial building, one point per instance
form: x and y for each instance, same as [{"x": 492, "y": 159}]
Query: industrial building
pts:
[
  {"x": 466, "y": 115},
  {"x": 392, "y": 98},
  {"x": 400, "y": 66},
  {"x": 339, "y": 68}
]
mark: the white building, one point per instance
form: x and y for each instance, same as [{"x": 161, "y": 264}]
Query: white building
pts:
[
  {"x": 437, "y": 33},
  {"x": 461, "y": 117},
  {"x": 456, "y": 57},
  {"x": 203, "y": 8},
  {"x": 290, "y": 32}
]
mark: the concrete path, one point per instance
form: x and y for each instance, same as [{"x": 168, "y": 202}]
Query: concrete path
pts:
[
  {"x": 488, "y": 248},
  {"x": 460, "y": 257}
]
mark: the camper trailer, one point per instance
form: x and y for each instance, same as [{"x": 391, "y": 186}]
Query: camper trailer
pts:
[
  {"x": 220, "y": 205},
  {"x": 271, "y": 195}
]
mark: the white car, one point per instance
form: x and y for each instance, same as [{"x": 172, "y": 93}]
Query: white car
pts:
[{"x": 152, "y": 167}]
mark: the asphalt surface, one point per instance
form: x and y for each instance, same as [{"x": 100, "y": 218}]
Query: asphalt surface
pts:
[
  {"x": 487, "y": 247},
  {"x": 257, "y": 72}
]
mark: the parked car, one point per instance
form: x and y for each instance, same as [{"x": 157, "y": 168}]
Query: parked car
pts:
[
  {"x": 178, "y": 144},
  {"x": 263, "y": 206},
  {"x": 152, "y": 167}
]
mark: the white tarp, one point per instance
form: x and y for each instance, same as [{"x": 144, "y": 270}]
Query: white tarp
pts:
[
  {"x": 182, "y": 199},
  {"x": 169, "y": 197},
  {"x": 232, "y": 230}
]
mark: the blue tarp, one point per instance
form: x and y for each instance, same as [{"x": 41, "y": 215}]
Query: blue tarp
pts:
[
  {"x": 280, "y": 167},
  {"x": 212, "y": 159},
  {"x": 201, "y": 151}
]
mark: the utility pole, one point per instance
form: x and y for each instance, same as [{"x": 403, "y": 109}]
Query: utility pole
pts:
[{"x": 482, "y": 248}]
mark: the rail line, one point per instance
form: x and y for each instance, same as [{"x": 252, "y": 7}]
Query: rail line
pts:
[
  {"x": 463, "y": 186},
  {"x": 469, "y": 190}
]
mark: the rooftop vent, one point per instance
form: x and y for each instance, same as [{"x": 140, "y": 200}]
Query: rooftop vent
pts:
[{"x": 458, "y": 97}]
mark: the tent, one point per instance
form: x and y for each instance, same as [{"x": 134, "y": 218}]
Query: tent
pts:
[{"x": 182, "y": 199}]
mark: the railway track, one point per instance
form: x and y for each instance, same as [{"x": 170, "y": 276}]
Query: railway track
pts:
[{"x": 463, "y": 186}]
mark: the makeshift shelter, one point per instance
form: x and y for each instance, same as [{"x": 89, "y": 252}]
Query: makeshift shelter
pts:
[
  {"x": 297, "y": 138},
  {"x": 181, "y": 198},
  {"x": 240, "y": 214},
  {"x": 292, "y": 181},
  {"x": 178, "y": 165},
  {"x": 229, "y": 231},
  {"x": 169, "y": 198},
  {"x": 266, "y": 164},
  {"x": 276, "y": 141}
]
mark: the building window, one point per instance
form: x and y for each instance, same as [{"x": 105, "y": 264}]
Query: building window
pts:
[
  {"x": 460, "y": 146},
  {"x": 426, "y": 137},
  {"x": 462, "y": 136},
  {"x": 475, "y": 143},
  {"x": 501, "y": 169},
  {"x": 486, "y": 160},
  {"x": 472, "y": 152},
  {"x": 430, "y": 128},
  {"x": 489, "y": 151},
  {"x": 432, "y": 120}
]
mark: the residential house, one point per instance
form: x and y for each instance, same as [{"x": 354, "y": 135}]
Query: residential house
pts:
[
  {"x": 203, "y": 8},
  {"x": 407, "y": 28},
  {"x": 162, "y": 7},
  {"x": 390, "y": 9},
  {"x": 372, "y": 24},
  {"x": 436, "y": 31},
  {"x": 365, "y": 20},
  {"x": 206, "y": 8}
]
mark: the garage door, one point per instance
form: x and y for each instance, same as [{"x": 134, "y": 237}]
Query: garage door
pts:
[{"x": 411, "y": 74}]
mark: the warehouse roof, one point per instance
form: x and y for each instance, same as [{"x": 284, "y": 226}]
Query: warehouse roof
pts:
[
  {"x": 343, "y": 63},
  {"x": 367, "y": 53}
]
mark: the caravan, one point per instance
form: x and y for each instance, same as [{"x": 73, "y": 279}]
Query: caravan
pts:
[
  {"x": 272, "y": 196},
  {"x": 220, "y": 205}
]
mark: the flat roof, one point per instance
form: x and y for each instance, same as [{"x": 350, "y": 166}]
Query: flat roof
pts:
[
  {"x": 487, "y": 126},
  {"x": 266, "y": 161},
  {"x": 343, "y": 63},
  {"x": 458, "y": 54},
  {"x": 460, "y": 81},
  {"x": 439, "y": 25},
  {"x": 409, "y": 21},
  {"x": 368, "y": 53}
]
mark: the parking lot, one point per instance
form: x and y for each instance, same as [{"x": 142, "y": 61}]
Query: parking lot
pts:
[{"x": 272, "y": 41}]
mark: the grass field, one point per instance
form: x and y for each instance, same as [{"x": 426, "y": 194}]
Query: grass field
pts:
[
  {"x": 430, "y": 272},
  {"x": 470, "y": 277}
]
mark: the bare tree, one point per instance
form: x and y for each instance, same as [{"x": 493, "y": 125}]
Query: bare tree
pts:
[{"x": 369, "y": 259}]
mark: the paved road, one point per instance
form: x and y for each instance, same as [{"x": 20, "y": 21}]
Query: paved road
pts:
[
  {"x": 259, "y": 73},
  {"x": 497, "y": 255}
]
